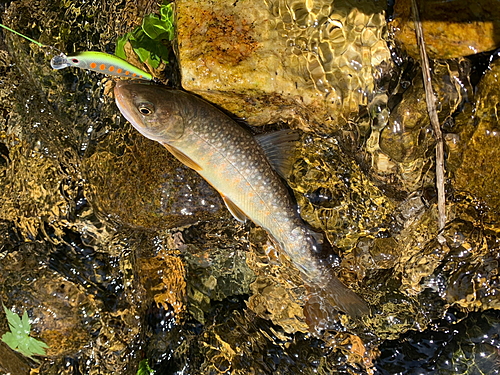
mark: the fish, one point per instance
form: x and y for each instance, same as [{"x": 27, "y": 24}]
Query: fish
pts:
[
  {"x": 242, "y": 168},
  {"x": 100, "y": 62}
]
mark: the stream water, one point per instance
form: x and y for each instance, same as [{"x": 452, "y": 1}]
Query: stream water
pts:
[{"x": 121, "y": 254}]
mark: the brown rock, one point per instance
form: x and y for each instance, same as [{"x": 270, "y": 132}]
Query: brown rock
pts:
[
  {"x": 479, "y": 173},
  {"x": 267, "y": 62},
  {"x": 136, "y": 182},
  {"x": 451, "y": 28}
]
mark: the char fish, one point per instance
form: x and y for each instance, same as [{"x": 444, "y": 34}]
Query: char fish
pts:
[{"x": 236, "y": 165}]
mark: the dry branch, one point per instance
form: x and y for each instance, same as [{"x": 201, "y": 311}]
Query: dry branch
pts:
[{"x": 431, "y": 109}]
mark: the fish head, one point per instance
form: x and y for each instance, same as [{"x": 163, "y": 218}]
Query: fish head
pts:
[{"x": 153, "y": 110}]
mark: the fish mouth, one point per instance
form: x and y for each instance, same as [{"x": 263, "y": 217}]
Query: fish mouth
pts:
[
  {"x": 124, "y": 98},
  {"x": 127, "y": 96}
]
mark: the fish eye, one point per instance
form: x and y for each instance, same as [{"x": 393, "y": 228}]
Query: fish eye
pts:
[{"x": 146, "y": 108}]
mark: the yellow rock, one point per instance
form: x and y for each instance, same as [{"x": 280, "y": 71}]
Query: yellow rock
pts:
[
  {"x": 268, "y": 61},
  {"x": 452, "y": 29}
]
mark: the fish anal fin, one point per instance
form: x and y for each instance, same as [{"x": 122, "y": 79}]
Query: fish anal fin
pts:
[
  {"x": 183, "y": 158},
  {"x": 234, "y": 209},
  {"x": 279, "y": 148}
]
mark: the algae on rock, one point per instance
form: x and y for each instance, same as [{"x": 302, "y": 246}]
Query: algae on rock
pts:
[
  {"x": 480, "y": 155},
  {"x": 313, "y": 63},
  {"x": 451, "y": 29}
]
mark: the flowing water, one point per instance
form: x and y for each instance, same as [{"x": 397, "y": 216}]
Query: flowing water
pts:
[{"x": 120, "y": 253}]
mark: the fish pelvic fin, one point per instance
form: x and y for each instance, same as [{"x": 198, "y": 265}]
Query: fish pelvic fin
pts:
[{"x": 183, "y": 158}]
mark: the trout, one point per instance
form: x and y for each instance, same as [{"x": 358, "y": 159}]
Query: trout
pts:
[{"x": 236, "y": 164}]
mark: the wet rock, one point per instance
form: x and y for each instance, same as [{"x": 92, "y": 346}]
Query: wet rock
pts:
[
  {"x": 278, "y": 292},
  {"x": 425, "y": 277},
  {"x": 215, "y": 262},
  {"x": 464, "y": 344},
  {"x": 87, "y": 306},
  {"x": 451, "y": 28},
  {"x": 270, "y": 61},
  {"x": 402, "y": 150},
  {"x": 137, "y": 182},
  {"x": 334, "y": 195},
  {"x": 58, "y": 310},
  {"x": 236, "y": 341},
  {"x": 12, "y": 362},
  {"x": 163, "y": 277},
  {"x": 480, "y": 155}
]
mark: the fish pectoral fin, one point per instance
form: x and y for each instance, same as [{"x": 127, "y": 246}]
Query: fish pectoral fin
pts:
[
  {"x": 234, "y": 209},
  {"x": 318, "y": 237},
  {"x": 183, "y": 158},
  {"x": 279, "y": 148}
]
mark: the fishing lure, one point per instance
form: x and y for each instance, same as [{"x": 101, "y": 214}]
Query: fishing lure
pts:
[
  {"x": 100, "y": 62},
  {"x": 96, "y": 61}
]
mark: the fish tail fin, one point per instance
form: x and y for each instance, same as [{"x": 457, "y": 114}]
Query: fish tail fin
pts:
[
  {"x": 326, "y": 299},
  {"x": 338, "y": 295}
]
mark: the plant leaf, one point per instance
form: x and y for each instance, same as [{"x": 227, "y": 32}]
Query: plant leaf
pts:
[
  {"x": 13, "y": 319},
  {"x": 167, "y": 16},
  {"x": 142, "y": 53},
  {"x": 144, "y": 368},
  {"x": 19, "y": 339},
  {"x": 10, "y": 339},
  {"x": 154, "y": 27},
  {"x": 36, "y": 346},
  {"x": 26, "y": 326},
  {"x": 120, "y": 46},
  {"x": 148, "y": 39}
]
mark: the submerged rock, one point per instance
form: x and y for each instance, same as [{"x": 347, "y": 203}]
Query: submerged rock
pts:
[
  {"x": 479, "y": 155},
  {"x": 98, "y": 323},
  {"x": 467, "y": 345},
  {"x": 278, "y": 292},
  {"x": 137, "y": 182},
  {"x": 334, "y": 194},
  {"x": 402, "y": 150},
  {"x": 313, "y": 63},
  {"x": 214, "y": 258}
]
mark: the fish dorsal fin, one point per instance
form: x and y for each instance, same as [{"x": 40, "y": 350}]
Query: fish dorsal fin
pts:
[
  {"x": 279, "y": 148},
  {"x": 234, "y": 209},
  {"x": 183, "y": 158}
]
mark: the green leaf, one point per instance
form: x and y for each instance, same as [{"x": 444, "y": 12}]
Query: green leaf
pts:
[
  {"x": 26, "y": 326},
  {"x": 120, "y": 46},
  {"x": 10, "y": 339},
  {"x": 167, "y": 16},
  {"x": 142, "y": 53},
  {"x": 154, "y": 61},
  {"x": 155, "y": 28},
  {"x": 37, "y": 347},
  {"x": 167, "y": 13},
  {"x": 144, "y": 368},
  {"x": 19, "y": 339},
  {"x": 147, "y": 40},
  {"x": 13, "y": 319}
]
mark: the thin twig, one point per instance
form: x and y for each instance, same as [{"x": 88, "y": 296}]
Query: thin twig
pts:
[{"x": 431, "y": 109}]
